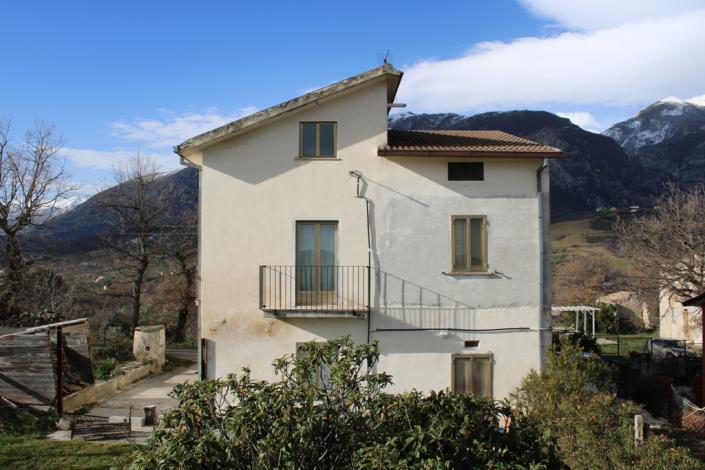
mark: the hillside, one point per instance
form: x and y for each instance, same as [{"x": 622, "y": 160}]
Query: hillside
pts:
[
  {"x": 627, "y": 165},
  {"x": 82, "y": 228}
]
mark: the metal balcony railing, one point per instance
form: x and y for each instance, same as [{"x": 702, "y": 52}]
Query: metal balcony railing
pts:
[{"x": 314, "y": 289}]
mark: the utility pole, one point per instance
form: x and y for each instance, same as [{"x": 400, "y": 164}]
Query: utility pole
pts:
[{"x": 59, "y": 371}]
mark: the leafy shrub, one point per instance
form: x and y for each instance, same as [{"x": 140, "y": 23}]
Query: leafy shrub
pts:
[
  {"x": 571, "y": 400},
  {"x": 107, "y": 360},
  {"x": 614, "y": 319},
  {"x": 25, "y": 421},
  {"x": 106, "y": 368},
  {"x": 120, "y": 354},
  {"x": 584, "y": 343},
  {"x": 329, "y": 411}
]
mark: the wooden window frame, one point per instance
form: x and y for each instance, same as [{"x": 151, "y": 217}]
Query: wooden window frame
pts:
[
  {"x": 469, "y": 268},
  {"x": 318, "y": 140},
  {"x": 472, "y": 356},
  {"x": 307, "y": 298}
]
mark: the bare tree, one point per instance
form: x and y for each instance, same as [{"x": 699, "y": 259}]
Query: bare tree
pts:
[
  {"x": 32, "y": 182},
  {"x": 179, "y": 247},
  {"x": 140, "y": 206},
  {"x": 668, "y": 245}
]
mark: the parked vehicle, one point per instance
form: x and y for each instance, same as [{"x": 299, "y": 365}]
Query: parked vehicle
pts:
[{"x": 664, "y": 348}]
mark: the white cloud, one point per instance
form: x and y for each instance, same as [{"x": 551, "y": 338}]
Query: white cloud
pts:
[
  {"x": 636, "y": 62},
  {"x": 109, "y": 159},
  {"x": 583, "y": 119},
  {"x": 174, "y": 128},
  {"x": 598, "y": 14}
]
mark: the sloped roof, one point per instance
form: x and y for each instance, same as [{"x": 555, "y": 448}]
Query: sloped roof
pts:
[
  {"x": 224, "y": 132},
  {"x": 463, "y": 143}
]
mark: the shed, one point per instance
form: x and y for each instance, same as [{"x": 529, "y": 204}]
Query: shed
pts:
[{"x": 41, "y": 365}]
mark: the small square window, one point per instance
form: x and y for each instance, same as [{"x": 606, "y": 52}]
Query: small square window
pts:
[
  {"x": 466, "y": 171},
  {"x": 318, "y": 139}
]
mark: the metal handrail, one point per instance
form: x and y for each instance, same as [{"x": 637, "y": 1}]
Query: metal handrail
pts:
[{"x": 320, "y": 288}]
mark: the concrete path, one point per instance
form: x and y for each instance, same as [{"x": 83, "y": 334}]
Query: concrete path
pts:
[{"x": 151, "y": 391}]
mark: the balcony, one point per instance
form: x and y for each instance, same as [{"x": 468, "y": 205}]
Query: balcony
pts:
[{"x": 314, "y": 291}]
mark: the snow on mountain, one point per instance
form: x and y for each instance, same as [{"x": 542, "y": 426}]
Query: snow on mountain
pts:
[
  {"x": 667, "y": 139},
  {"x": 665, "y": 120},
  {"x": 696, "y": 100}
]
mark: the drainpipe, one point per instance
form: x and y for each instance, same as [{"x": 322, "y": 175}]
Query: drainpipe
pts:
[
  {"x": 358, "y": 194},
  {"x": 544, "y": 289}
]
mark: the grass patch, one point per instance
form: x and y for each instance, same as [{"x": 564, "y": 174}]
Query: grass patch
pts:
[{"x": 22, "y": 452}]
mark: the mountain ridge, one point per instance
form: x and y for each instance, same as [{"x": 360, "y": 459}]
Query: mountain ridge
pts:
[{"x": 614, "y": 169}]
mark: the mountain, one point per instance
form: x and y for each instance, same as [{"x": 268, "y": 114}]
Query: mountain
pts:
[
  {"x": 595, "y": 171},
  {"x": 83, "y": 227},
  {"x": 628, "y": 164},
  {"x": 667, "y": 140}
]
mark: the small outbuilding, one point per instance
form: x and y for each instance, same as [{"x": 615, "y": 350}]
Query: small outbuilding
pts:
[{"x": 42, "y": 365}]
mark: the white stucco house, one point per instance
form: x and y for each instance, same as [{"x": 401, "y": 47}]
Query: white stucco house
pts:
[{"x": 317, "y": 221}]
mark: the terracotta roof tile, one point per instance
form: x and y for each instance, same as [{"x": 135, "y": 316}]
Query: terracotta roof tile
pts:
[{"x": 473, "y": 143}]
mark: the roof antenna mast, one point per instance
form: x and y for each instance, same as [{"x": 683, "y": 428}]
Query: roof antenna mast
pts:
[{"x": 386, "y": 57}]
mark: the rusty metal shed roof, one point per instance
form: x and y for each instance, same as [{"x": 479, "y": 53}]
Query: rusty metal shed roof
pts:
[{"x": 462, "y": 143}]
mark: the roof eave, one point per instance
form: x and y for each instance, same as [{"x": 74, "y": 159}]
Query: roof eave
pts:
[
  {"x": 457, "y": 153},
  {"x": 224, "y": 132},
  {"x": 696, "y": 301}
]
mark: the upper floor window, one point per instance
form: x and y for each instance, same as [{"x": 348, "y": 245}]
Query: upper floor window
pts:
[
  {"x": 466, "y": 171},
  {"x": 318, "y": 139},
  {"x": 469, "y": 243}
]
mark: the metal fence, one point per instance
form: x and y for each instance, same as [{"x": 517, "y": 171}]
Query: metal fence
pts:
[
  {"x": 623, "y": 345},
  {"x": 654, "y": 356},
  {"x": 315, "y": 289}
]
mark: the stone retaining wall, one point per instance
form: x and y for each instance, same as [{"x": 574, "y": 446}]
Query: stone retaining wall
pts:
[{"x": 101, "y": 390}]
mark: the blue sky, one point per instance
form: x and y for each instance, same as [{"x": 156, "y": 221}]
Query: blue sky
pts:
[{"x": 117, "y": 77}]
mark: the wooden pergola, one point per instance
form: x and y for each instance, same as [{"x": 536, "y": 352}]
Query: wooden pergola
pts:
[{"x": 579, "y": 309}]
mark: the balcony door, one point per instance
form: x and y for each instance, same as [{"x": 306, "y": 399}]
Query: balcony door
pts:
[{"x": 316, "y": 246}]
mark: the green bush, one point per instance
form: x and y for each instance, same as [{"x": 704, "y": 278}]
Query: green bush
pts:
[
  {"x": 106, "y": 368},
  {"x": 583, "y": 342},
  {"x": 329, "y": 411},
  {"x": 572, "y": 401},
  {"x": 25, "y": 421},
  {"x": 121, "y": 354}
]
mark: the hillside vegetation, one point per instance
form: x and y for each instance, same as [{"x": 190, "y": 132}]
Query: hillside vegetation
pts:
[{"x": 584, "y": 260}]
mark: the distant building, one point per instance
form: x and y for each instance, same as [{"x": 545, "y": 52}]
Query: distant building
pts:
[
  {"x": 678, "y": 321},
  {"x": 630, "y": 306}
]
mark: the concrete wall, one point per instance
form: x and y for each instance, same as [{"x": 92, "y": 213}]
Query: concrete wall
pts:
[
  {"x": 101, "y": 390},
  {"x": 254, "y": 189}
]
